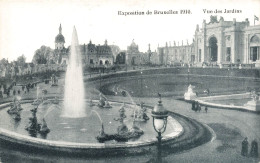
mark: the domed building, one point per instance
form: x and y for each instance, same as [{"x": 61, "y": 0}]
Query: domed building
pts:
[
  {"x": 61, "y": 53},
  {"x": 91, "y": 54},
  {"x": 133, "y": 56},
  {"x": 59, "y": 40}
]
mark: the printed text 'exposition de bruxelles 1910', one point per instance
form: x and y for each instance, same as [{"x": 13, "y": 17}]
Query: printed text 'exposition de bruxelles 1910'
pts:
[
  {"x": 184, "y": 11},
  {"x": 155, "y": 12}
]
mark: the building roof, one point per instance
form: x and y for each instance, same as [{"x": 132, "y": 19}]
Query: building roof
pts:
[
  {"x": 103, "y": 50},
  {"x": 59, "y": 38}
]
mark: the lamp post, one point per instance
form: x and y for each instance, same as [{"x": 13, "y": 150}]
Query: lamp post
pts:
[
  {"x": 159, "y": 114},
  {"x": 99, "y": 79},
  {"x": 189, "y": 75},
  {"x": 141, "y": 83},
  {"x": 228, "y": 77}
]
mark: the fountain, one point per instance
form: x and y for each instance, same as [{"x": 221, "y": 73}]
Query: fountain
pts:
[
  {"x": 103, "y": 102},
  {"x": 44, "y": 128},
  {"x": 15, "y": 107},
  {"x": 74, "y": 105},
  {"x": 138, "y": 111},
  {"x": 37, "y": 101},
  {"x": 70, "y": 128},
  {"x": 33, "y": 127}
]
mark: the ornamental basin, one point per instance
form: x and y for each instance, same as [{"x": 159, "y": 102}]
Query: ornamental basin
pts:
[{"x": 83, "y": 129}]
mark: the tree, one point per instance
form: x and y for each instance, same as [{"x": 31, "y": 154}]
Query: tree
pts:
[
  {"x": 4, "y": 62},
  {"x": 42, "y": 55},
  {"x": 21, "y": 60}
]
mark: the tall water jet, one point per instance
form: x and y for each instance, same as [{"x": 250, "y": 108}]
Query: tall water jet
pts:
[{"x": 74, "y": 106}]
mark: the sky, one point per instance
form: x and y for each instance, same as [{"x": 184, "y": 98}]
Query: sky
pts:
[{"x": 26, "y": 25}]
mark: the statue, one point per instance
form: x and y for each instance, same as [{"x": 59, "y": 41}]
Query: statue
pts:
[
  {"x": 54, "y": 80},
  {"x": 102, "y": 132},
  {"x": 255, "y": 97},
  {"x": 55, "y": 101},
  {"x": 207, "y": 91},
  {"x": 122, "y": 129},
  {"x": 44, "y": 128},
  {"x": 102, "y": 100},
  {"x": 91, "y": 103},
  {"x": 15, "y": 107},
  {"x": 221, "y": 19},
  {"x": 17, "y": 116},
  {"x": 190, "y": 88},
  {"x": 33, "y": 127},
  {"x": 107, "y": 105},
  {"x": 103, "y": 136},
  {"x": 253, "y": 104},
  {"x": 139, "y": 113},
  {"x": 122, "y": 115},
  {"x": 135, "y": 130},
  {"x": 213, "y": 19},
  {"x": 37, "y": 102},
  {"x": 123, "y": 133},
  {"x": 190, "y": 95},
  {"x": 34, "y": 110}
]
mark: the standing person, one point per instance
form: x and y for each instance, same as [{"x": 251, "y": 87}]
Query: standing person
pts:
[
  {"x": 206, "y": 109},
  {"x": 254, "y": 149},
  {"x": 244, "y": 151},
  {"x": 8, "y": 92},
  {"x": 18, "y": 91},
  {"x": 28, "y": 89},
  {"x": 193, "y": 105},
  {"x": 199, "y": 107}
]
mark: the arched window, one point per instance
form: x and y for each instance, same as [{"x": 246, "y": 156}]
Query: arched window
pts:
[
  {"x": 254, "y": 39},
  {"x": 254, "y": 48},
  {"x": 213, "y": 49}
]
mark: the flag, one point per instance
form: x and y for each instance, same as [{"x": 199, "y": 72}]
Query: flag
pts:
[{"x": 256, "y": 18}]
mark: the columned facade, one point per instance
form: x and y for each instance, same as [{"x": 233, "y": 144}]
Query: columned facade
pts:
[{"x": 227, "y": 42}]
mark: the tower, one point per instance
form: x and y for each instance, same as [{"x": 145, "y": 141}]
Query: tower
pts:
[
  {"x": 166, "y": 53},
  {"x": 149, "y": 53},
  {"x": 59, "y": 40}
]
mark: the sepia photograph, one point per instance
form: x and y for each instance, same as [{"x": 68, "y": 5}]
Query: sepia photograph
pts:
[{"x": 142, "y": 81}]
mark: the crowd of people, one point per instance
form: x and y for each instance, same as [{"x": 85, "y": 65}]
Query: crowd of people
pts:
[
  {"x": 14, "y": 90},
  {"x": 195, "y": 106}
]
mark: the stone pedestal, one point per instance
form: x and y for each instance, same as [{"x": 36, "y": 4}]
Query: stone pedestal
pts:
[
  {"x": 190, "y": 95},
  {"x": 257, "y": 63},
  {"x": 253, "y": 105}
]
